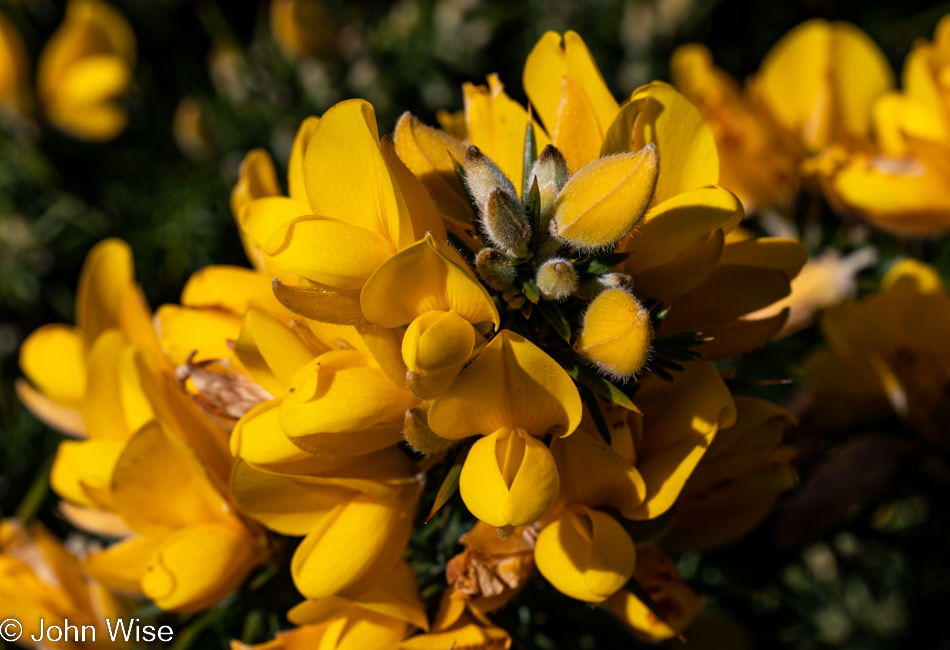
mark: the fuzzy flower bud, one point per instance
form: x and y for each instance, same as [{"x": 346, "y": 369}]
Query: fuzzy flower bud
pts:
[
  {"x": 505, "y": 221},
  {"x": 616, "y": 334},
  {"x": 483, "y": 175},
  {"x": 420, "y": 437},
  {"x": 493, "y": 268},
  {"x": 603, "y": 201},
  {"x": 557, "y": 279},
  {"x": 550, "y": 167}
]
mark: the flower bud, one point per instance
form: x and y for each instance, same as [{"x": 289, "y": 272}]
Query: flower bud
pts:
[
  {"x": 604, "y": 200},
  {"x": 493, "y": 268},
  {"x": 557, "y": 279},
  {"x": 550, "y": 167},
  {"x": 483, "y": 175},
  {"x": 591, "y": 288},
  {"x": 616, "y": 334},
  {"x": 434, "y": 348},
  {"x": 505, "y": 222},
  {"x": 420, "y": 437}
]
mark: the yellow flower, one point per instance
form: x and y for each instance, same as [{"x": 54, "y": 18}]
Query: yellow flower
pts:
[
  {"x": 85, "y": 69},
  {"x": 14, "y": 73},
  {"x": 512, "y": 394},
  {"x": 54, "y": 358},
  {"x": 738, "y": 481},
  {"x": 678, "y": 603},
  {"x": 190, "y": 549},
  {"x": 883, "y": 356},
  {"x": 301, "y": 28},
  {"x": 41, "y": 580},
  {"x": 901, "y": 185},
  {"x": 757, "y": 161},
  {"x": 356, "y": 516},
  {"x": 820, "y": 81},
  {"x": 376, "y": 619}
]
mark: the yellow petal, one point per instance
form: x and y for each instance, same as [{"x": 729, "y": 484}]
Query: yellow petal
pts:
[
  {"x": 860, "y": 73},
  {"x": 270, "y": 351},
  {"x": 692, "y": 266},
  {"x": 62, "y": 418},
  {"x": 427, "y": 276},
  {"x": 354, "y": 544},
  {"x": 234, "y": 289},
  {"x": 106, "y": 277},
  {"x": 343, "y": 409},
  {"x": 198, "y": 566},
  {"x": 258, "y": 438},
  {"x": 257, "y": 178},
  {"x": 296, "y": 181},
  {"x": 437, "y": 341},
  {"x": 509, "y": 478},
  {"x": 82, "y": 471},
  {"x": 97, "y": 522},
  {"x": 328, "y": 252},
  {"x": 93, "y": 79},
  {"x": 595, "y": 475},
  {"x": 347, "y": 178},
  {"x": 206, "y": 332},
  {"x": 794, "y": 80},
  {"x": 687, "y": 149},
  {"x": 158, "y": 485},
  {"x": 577, "y": 134},
  {"x": 603, "y": 202},
  {"x": 670, "y": 227},
  {"x": 585, "y": 554},
  {"x": 425, "y": 216},
  {"x": 500, "y": 389},
  {"x": 616, "y": 334},
  {"x": 428, "y": 153},
  {"x": 678, "y": 424},
  {"x": 122, "y": 565},
  {"x": 52, "y": 358}
]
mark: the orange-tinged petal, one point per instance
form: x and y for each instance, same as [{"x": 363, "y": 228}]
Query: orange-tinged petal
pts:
[{"x": 500, "y": 389}]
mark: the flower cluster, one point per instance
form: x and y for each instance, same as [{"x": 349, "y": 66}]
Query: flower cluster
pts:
[{"x": 522, "y": 316}]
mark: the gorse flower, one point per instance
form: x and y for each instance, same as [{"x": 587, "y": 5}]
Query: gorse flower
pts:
[{"x": 85, "y": 68}]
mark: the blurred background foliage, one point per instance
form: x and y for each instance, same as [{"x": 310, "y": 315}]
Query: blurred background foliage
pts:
[{"x": 211, "y": 83}]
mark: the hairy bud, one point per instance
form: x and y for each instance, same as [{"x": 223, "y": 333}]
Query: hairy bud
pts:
[
  {"x": 550, "y": 167},
  {"x": 420, "y": 437},
  {"x": 483, "y": 175},
  {"x": 557, "y": 279},
  {"x": 493, "y": 268},
  {"x": 505, "y": 221},
  {"x": 616, "y": 334}
]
